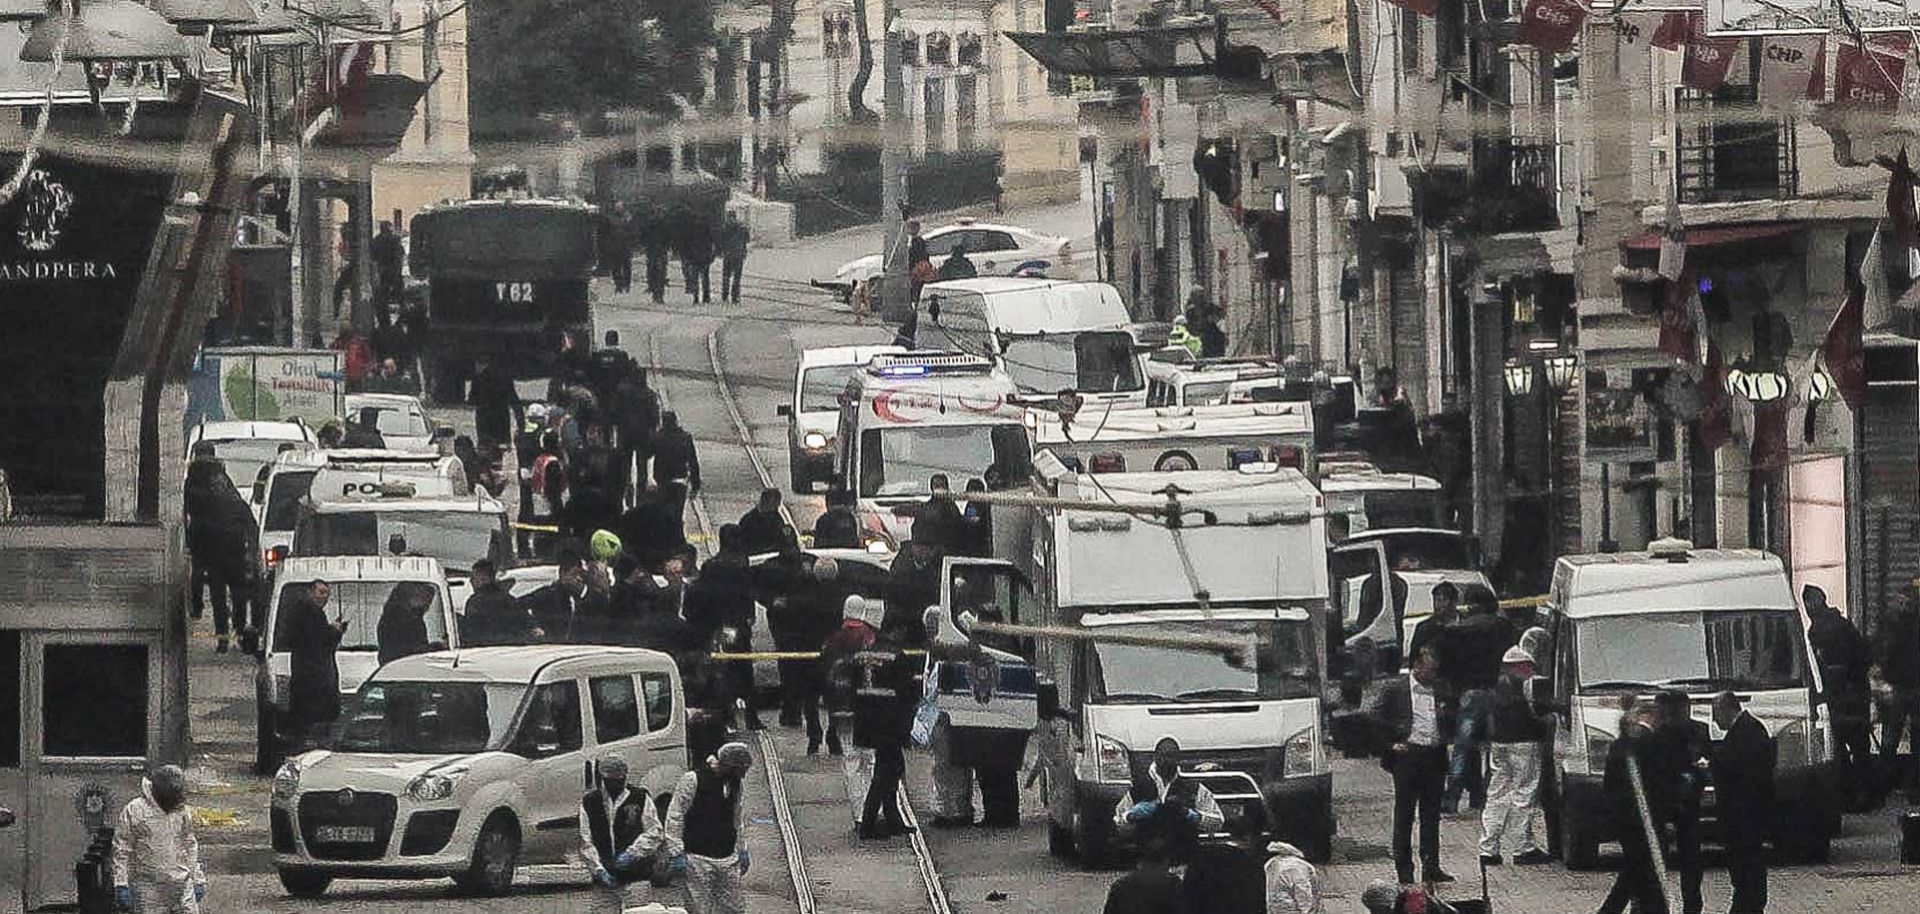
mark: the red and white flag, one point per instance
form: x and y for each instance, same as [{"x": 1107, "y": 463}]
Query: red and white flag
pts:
[
  {"x": 1672, "y": 30},
  {"x": 1708, "y": 60},
  {"x": 1552, "y": 25},
  {"x": 1870, "y": 76},
  {"x": 1788, "y": 64},
  {"x": 1843, "y": 351}
]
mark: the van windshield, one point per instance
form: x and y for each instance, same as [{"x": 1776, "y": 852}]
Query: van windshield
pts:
[
  {"x": 283, "y": 498},
  {"x": 820, "y": 388},
  {"x": 900, "y": 461},
  {"x": 1097, "y": 361},
  {"x": 456, "y": 538},
  {"x": 1204, "y": 393},
  {"x": 1695, "y": 651},
  {"x": 1284, "y": 653},
  {"x": 362, "y": 604},
  {"x": 429, "y": 718},
  {"x": 394, "y": 421}
]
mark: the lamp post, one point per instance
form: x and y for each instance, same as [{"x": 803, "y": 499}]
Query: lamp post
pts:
[
  {"x": 1559, "y": 370},
  {"x": 1761, "y": 387}
]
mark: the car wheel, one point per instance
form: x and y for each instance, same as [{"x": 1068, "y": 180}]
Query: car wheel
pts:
[
  {"x": 1059, "y": 839},
  {"x": 496, "y": 855},
  {"x": 1577, "y": 845},
  {"x": 267, "y": 750},
  {"x": 1092, "y": 836},
  {"x": 304, "y": 883},
  {"x": 797, "y": 479}
]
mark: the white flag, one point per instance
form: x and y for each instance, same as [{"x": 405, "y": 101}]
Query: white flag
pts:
[{"x": 1787, "y": 63}]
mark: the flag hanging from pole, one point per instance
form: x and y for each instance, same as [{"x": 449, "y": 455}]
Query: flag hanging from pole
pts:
[
  {"x": 1551, "y": 25},
  {"x": 1716, "y": 418},
  {"x": 1679, "y": 335},
  {"x": 1843, "y": 351},
  {"x": 1708, "y": 60},
  {"x": 1787, "y": 67},
  {"x": 1901, "y": 224},
  {"x": 1672, "y": 31}
]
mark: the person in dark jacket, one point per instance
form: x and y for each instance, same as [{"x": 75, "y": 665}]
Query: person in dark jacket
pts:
[
  {"x": 1844, "y": 669},
  {"x": 938, "y": 522},
  {"x": 675, "y": 459},
  {"x": 1743, "y": 769},
  {"x": 734, "y": 239},
  {"x": 1203, "y": 321},
  {"x": 616, "y": 245},
  {"x": 221, "y": 541},
  {"x": 913, "y": 585},
  {"x": 362, "y": 432},
  {"x": 620, "y": 834},
  {"x": 706, "y": 832},
  {"x": 1162, "y": 807},
  {"x": 696, "y": 249},
  {"x": 1675, "y": 781},
  {"x": 1515, "y": 734},
  {"x": 976, "y": 523},
  {"x": 402, "y": 629},
  {"x": 1431, "y": 631},
  {"x": 956, "y": 266},
  {"x": 497, "y": 410},
  {"x": 1417, "y": 713},
  {"x": 838, "y": 528},
  {"x": 720, "y": 605},
  {"x": 313, "y": 685},
  {"x": 1623, "y": 783},
  {"x": 492, "y": 616},
  {"x": 636, "y": 416},
  {"x": 1152, "y": 888},
  {"x": 1229, "y": 877},
  {"x": 652, "y": 529},
  {"x": 567, "y": 611},
  {"x": 839, "y": 673},
  {"x": 1898, "y": 657},
  {"x": 762, "y": 530},
  {"x": 653, "y": 238},
  {"x": 882, "y": 710}
]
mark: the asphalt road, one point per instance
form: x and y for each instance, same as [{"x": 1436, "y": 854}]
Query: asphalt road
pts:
[{"x": 755, "y": 346}]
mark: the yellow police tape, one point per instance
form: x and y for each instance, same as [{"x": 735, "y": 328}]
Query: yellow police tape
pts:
[
  {"x": 204, "y": 817},
  {"x": 1533, "y": 602}
]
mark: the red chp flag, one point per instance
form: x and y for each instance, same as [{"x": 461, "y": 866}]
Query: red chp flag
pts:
[
  {"x": 1673, "y": 31},
  {"x": 1708, "y": 60},
  {"x": 1870, "y": 76},
  {"x": 1552, "y": 25},
  {"x": 1716, "y": 417},
  {"x": 1788, "y": 65},
  {"x": 1843, "y": 352},
  {"x": 1678, "y": 335}
]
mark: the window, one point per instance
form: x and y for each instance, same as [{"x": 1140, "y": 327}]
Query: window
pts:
[
  {"x": 283, "y": 500},
  {"x": 551, "y": 724},
  {"x": 94, "y": 701},
  {"x": 991, "y": 241},
  {"x": 616, "y": 716},
  {"x": 820, "y": 388},
  {"x": 363, "y": 604},
  {"x": 658, "y": 689},
  {"x": 428, "y": 718},
  {"x": 1728, "y": 150}
]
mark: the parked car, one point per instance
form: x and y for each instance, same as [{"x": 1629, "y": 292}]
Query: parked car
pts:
[
  {"x": 467, "y": 764},
  {"x": 403, "y": 423},
  {"x": 996, "y": 250},
  {"x": 246, "y": 446}
]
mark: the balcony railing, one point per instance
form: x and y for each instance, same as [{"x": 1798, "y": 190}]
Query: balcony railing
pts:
[
  {"x": 1513, "y": 187},
  {"x": 1727, "y": 152}
]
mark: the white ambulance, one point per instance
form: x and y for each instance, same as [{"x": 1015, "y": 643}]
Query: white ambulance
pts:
[
  {"x": 1245, "y": 564},
  {"x": 1046, "y": 334},
  {"x": 908, "y": 417}
]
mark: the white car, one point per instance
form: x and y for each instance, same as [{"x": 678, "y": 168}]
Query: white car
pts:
[
  {"x": 362, "y": 586},
  {"x": 814, "y": 413},
  {"x": 247, "y": 446},
  {"x": 468, "y": 764},
  {"x": 996, "y": 250},
  {"x": 403, "y": 423}
]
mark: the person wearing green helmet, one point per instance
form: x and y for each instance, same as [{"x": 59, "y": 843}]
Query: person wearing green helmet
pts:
[{"x": 603, "y": 553}]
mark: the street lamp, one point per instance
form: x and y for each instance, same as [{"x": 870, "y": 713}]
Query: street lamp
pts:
[
  {"x": 104, "y": 30},
  {"x": 1561, "y": 370},
  {"x": 1764, "y": 386},
  {"x": 1519, "y": 377}
]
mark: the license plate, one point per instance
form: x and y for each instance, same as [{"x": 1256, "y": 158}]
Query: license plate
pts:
[{"x": 344, "y": 834}]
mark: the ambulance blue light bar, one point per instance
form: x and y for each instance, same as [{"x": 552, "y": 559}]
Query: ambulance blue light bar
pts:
[
  {"x": 921, "y": 364},
  {"x": 903, "y": 371}
]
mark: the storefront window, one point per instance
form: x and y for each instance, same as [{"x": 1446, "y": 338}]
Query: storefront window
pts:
[{"x": 94, "y": 701}]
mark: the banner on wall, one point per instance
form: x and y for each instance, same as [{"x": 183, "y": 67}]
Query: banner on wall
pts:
[{"x": 266, "y": 384}]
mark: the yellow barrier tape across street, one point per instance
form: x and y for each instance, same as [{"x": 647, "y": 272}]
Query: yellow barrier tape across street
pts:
[
  {"x": 204, "y": 817},
  {"x": 1533, "y": 602}
]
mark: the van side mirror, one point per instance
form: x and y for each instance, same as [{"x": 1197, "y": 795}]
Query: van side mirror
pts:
[{"x": 1048, "y": 695}]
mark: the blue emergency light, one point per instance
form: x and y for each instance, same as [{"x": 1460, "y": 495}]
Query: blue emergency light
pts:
[
  {"x": 903, "y": 371},
  {"x": 1236, "y": 456}
]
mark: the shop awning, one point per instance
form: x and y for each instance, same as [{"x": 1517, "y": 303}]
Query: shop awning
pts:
[
  {"x": 376, "y": 115},
  {"x": 1183, "y": 50},
  {"x": 1714, "y": 235}
]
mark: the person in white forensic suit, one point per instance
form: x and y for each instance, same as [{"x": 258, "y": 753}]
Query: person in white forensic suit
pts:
[
  {"x": 1513, "y": 825},
  {"x": 1293, "y": 884},
  {"x": 156, "y": 858},
  {"x": 706, "y": 834}
]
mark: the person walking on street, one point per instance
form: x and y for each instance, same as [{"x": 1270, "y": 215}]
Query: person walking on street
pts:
[
  {"x": 880, "y": 682},
  {"x": 1418, "y": 713},
  {"x": 636, "y": 418},
  {"x": 497, "y": 410},
  {"x": 696, "y": 260},
  {"x": 1512, "y": 819},
  {"x": 706, "y": 832},
  {"x": 800, "y": 621},
  {"x": 222, "y": 540},
  {"x": 1843, "y": 658},
  {"x": 957, "y": 266},
  {"x": 762, "y": 530},
  {"x": 734, "y": 240},
  {"x": 720, "y": 604},
  {"x": 839, "y": 674},
  {"x": 919, "y": 263},
  {"x": 1743, "y": 769},
  {"x": 675, "y": 458},
  {"x": 620, "y": 836},
  {"x": 1624, "y": 785},
  {"x": 389, "y": 261},
  {"x": 653, "y": 237},
  {"x": 1151, "y": 888},
  {"x": 492, "y": 616},
  {"x": 838, "y": 528},
  {"x": 1674, "y": 782},
  {"x": 313, "y": 685},
  {"x": 1898, "y": 659},
  {"x": 617, "y": 241},
  {"x": 156, "y": 857}
]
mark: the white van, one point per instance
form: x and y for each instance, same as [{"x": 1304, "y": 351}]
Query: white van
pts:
[
  {"x": 342, "y": 473},
  {"x": 1252, "y": 541},
  {"x": 908, "y": 417},
  {"x": 1697, "y": 621},
  {"x": 1101, "y": 439},
  {"x": 469, "y": 763},
  {"x": 1211, "y": 382},
  {"x": 362, "y": 586},
  {"x": 1360, "y": 498},
  {"x": 1421, "y": 558},
  {"x": 1047, "y": 335},
  {"x": 454, "y": 530},
  {"x": 814, "y": 410},
  {"x": 246, "y": 446}
]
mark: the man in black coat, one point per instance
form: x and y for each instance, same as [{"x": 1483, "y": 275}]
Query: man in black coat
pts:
[
  {"x": 1844, "y": 660},
  {"x": 1417, "y": 713},
  {"x": 497, "y": 410},
  {"x": 913, "y": 585},
  {"x": 1152, "y": 888},
  {"x": 938, "y": 523},
  {"x": 402, "y": 629},
  {"x": 1229, "y": 877},
  {"x": 222, "y": 540},
  {"x": 314, "y": 682},
  {"x": 492, "y": 616},
  {"x": 675, "y": 459},
  {"x": 1638, "y": 881},
  {"x": 636, "y": 415},
  {"x": 568, "y": 611},
  {"x": 1743, "y": 767},
  {"x": 720, "y": 604},
  {"x": 1898, "y": 656},
  {"x": 838, "y": 528},
  {"x": 761, "y": 529},
  {"x": 1674, "y": 786}
]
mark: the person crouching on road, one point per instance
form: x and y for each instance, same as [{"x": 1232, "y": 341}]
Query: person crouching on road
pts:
[
  {"x": 620, "y": 836},
  {"x": 156, "y": 858},
  {"x": 705, "y": 832}
]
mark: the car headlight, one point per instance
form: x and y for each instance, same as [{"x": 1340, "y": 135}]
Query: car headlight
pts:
[
  {"x": 286, "y": 782},
  {"x": 1301, "y": 752},
  {"x": 435, "y": 785},
  {"x": 1599, "y": 743},
  {"x": 813, "y": 441},
  {"x": 1110, "y": 763},
  {"x": 1792, "y": 742}
]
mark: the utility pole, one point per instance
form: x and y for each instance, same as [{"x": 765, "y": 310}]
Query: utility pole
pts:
[{"x": 893, "y": 165}]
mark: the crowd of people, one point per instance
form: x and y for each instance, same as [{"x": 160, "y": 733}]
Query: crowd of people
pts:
[{"x": 672, "y": 234}]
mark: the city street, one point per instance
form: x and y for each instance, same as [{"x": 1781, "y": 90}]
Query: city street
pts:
[{"x": 754, "y": 347}]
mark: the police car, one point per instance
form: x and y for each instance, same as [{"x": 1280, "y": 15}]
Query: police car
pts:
[
  {"x": 247, "y": 446},
  {"x": 402, "y": 422},
  {"x": 996, "y": 250}
]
